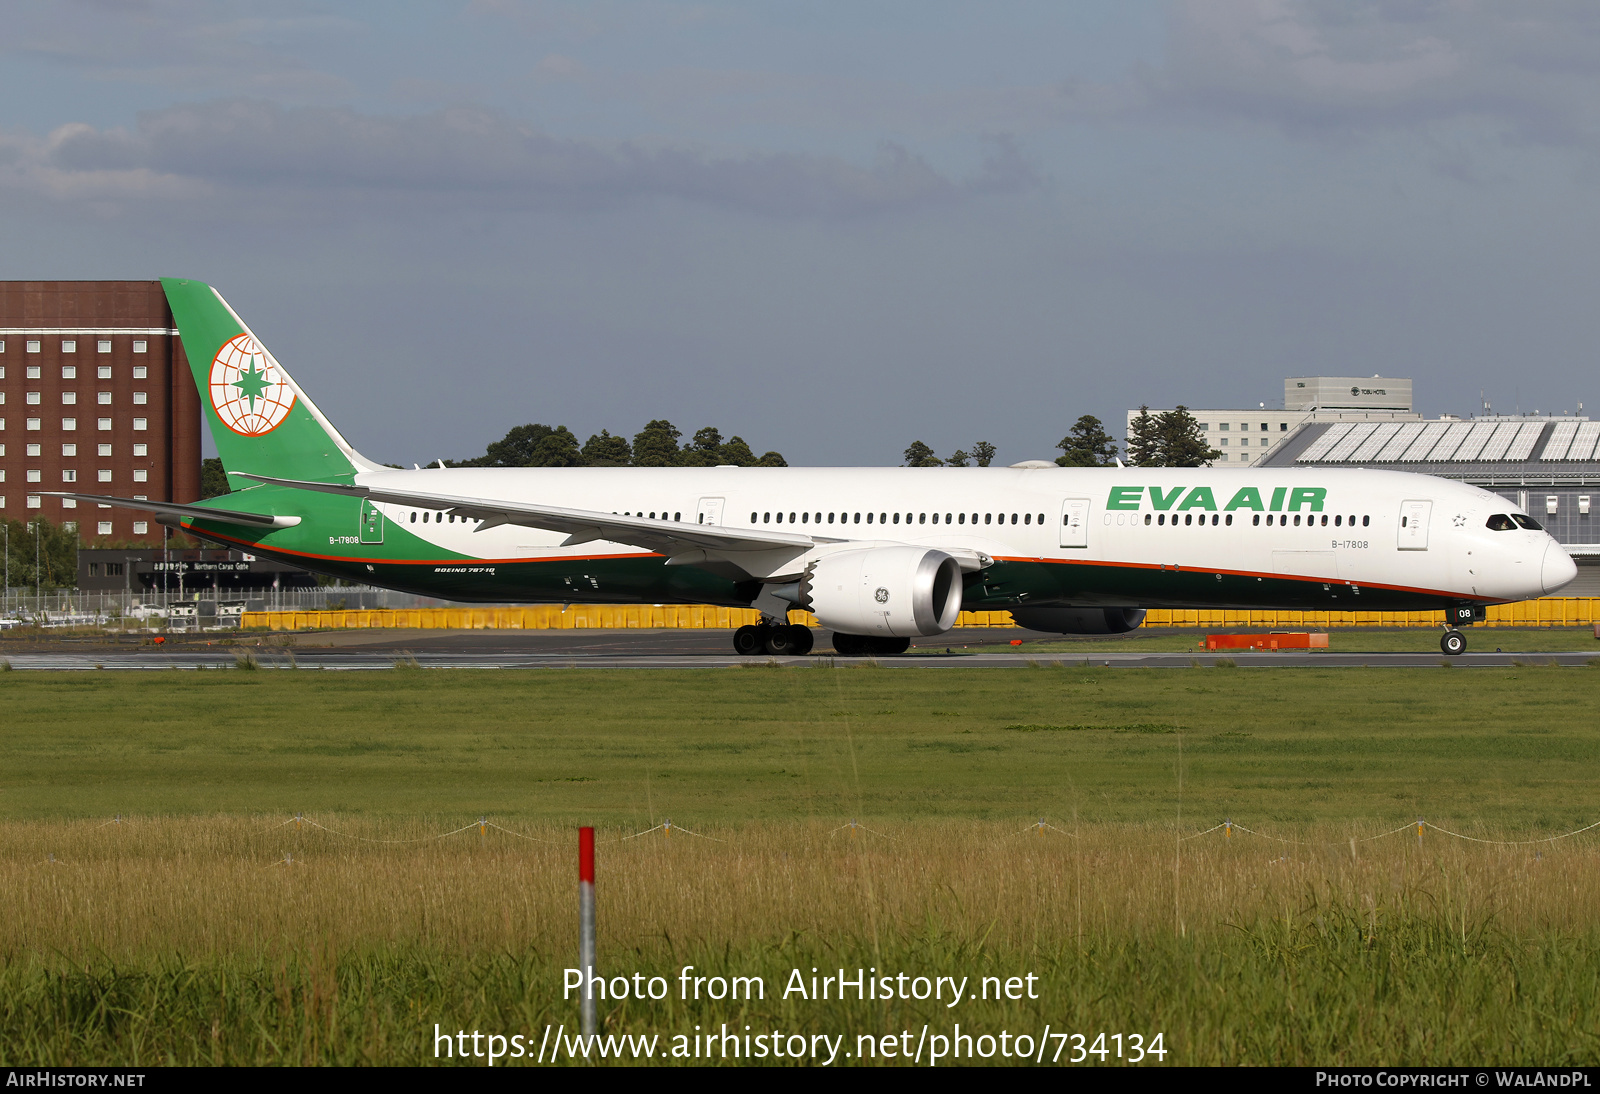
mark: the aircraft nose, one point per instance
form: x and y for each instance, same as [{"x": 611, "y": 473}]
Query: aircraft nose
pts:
[{"x": 1558, "y": 568}]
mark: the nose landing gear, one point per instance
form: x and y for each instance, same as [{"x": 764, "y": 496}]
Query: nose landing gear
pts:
[{"x": 1453, "y": 642}]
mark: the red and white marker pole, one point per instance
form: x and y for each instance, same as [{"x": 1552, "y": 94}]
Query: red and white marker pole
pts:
[{"x": 586, "y": 924}]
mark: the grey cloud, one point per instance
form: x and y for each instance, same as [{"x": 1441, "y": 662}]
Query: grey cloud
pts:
[
  {"x": 248, "y": 144},
  {"x": 1528, "y": 67}
]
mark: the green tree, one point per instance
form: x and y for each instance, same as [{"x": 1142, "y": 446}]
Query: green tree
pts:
[
  {"x": 1087, "y": 445},
  {"x": 604, "y": 450},
  {"x": 737, "y": 452},
  {"x": 1182, "y": 442},
  {"x": 213, "y": 479},
  {"x": 515, "y": 449},
  {"x": 983, "y": 453},
  {"x": 920, "y": 455},
  {"x": 1144, "y": 439},
  {"x": 558, "y": 448},
  {"x": 656, "y": 445},
  {"x": 772, "y": 459},
  {"x": 57, "y": 554},
  {"x": 958, "y": 458},
  {"x": 703, "y": 450}
]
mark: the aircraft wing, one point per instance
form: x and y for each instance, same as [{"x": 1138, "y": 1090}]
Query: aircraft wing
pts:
[
  {"x": 665, "y": 537},
  {"x": 177, "y": 509}
]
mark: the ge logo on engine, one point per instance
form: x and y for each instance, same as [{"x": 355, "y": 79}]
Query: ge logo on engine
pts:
[{"x": 881, "y": 596}]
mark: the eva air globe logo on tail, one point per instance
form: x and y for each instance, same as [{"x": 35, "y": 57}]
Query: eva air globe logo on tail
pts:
[{"x": 248, "y": 391}]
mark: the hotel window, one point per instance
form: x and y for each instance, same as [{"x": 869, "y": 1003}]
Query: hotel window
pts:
[
  {"x": 105, "y": 423},
  {"x": 1223, "y": 427},
  {"x": 35, "y": 450},
  {"x": 105, "y": 398},
  {"x": 33, "y": 372},
  {"x": 141, "y": 527},
  {"x": 69, "y": 345},
  {"x": 69, "y": 424},
  {"x": 69, "y": 475},
  {"x": 35, "y": 475},
  {"x": 103, "y": 345},
  {"x": 141, "y": 424},
  {"x": 138, "y": 345},
  {"x": 103, "y": 372},
  {"x": 140, "y": 372},
  {"x": 33, "y": 423},
  {"x": 69, "y": 398},
  {"x": 33, "y": 501},
  {"x": 69, "y": 372},
  {"x": 33, "y": 398},
  {"x": 138, "y": 450},
  {"x": 139, "y": 398},
  {"x": 141, "y": 476},
  {"x": 105, "y": 474},
  {"x": 33, "y": 345},
  {"x": 1224, "y": 442},
  {"x": 105, "y": 528},
  {"x": 69, "y": 450},
  {"x": 105, "y": 450}
]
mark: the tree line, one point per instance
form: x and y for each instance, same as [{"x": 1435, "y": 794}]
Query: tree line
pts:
[
  {"x": 656, "y": 445},
  {"x": 1171, "y": 438}
]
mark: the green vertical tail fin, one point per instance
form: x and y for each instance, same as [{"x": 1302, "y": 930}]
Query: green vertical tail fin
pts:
[{"x": 260, "y": 419}]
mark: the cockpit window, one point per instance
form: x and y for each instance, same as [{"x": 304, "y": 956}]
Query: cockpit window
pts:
[
  {"x": 1527, "y": 522},
  {"x": 1501, "y": 523}
]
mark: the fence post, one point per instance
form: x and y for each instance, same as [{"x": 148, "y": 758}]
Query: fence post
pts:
[{"x": 586, "y": 925}]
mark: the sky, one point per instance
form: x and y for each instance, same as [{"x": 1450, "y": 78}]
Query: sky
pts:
[{"x": 830, "y": 228}]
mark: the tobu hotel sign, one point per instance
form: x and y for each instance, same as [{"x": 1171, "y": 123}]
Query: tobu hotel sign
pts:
[{"x": 1280, "y": 499}]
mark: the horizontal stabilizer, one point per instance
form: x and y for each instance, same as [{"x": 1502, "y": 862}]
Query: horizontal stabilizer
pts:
[{"x": 190, "y": 512}]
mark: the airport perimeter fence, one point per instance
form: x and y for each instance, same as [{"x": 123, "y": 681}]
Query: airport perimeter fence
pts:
[
  {"x": 1226, "y": 829},
  {"x": 1549, "y": 612},
  {"x": 155, "y": 608}
]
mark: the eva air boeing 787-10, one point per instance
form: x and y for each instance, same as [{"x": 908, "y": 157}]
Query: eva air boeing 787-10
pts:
[{"x": 878, "y": 555}]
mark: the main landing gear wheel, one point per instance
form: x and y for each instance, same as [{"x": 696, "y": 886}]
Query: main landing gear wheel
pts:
[
  {"x": 1453, "y": 642},
  {"x": 790, "y": 640}
]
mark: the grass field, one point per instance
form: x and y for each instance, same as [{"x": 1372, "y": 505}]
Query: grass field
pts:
[{"x": 203, "y": 928}]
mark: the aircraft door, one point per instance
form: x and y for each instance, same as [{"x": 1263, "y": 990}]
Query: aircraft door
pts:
[
  {"x": 710, "y": 511},
  {"x": 371, "y": 523},
  {"x": 1413, "y": 531},
  {"x": 1075, "y": 522}
]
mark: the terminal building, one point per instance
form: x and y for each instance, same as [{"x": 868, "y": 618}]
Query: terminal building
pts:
[
  {"x": 1246, "y": 436},
  {"x": 1547, "y": 465},
  {"x": 95, "y": 397}
]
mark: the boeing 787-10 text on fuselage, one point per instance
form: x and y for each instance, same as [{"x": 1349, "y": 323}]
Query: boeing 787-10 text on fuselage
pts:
[{"x": 878, "y": 555}]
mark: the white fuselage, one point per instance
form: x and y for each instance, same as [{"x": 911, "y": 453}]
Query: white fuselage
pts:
[{"x": 1355, "y": 528}]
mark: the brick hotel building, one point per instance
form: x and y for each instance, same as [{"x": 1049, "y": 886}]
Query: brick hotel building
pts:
[{"x": 96, "y": 397}]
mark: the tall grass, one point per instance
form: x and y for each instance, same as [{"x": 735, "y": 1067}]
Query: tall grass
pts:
[{"x": 230, "y": 940}]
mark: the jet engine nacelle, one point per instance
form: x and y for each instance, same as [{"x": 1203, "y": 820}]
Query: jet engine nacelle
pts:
[
  {"x": 897, "y": 591},
  {"x": 1079, "y": 620}
]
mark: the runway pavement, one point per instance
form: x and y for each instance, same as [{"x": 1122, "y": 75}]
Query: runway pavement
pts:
[{"x": 676, "y": 649}]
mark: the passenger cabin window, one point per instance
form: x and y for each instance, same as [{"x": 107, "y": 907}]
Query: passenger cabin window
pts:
[{"x": 1527, "y": 522}]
